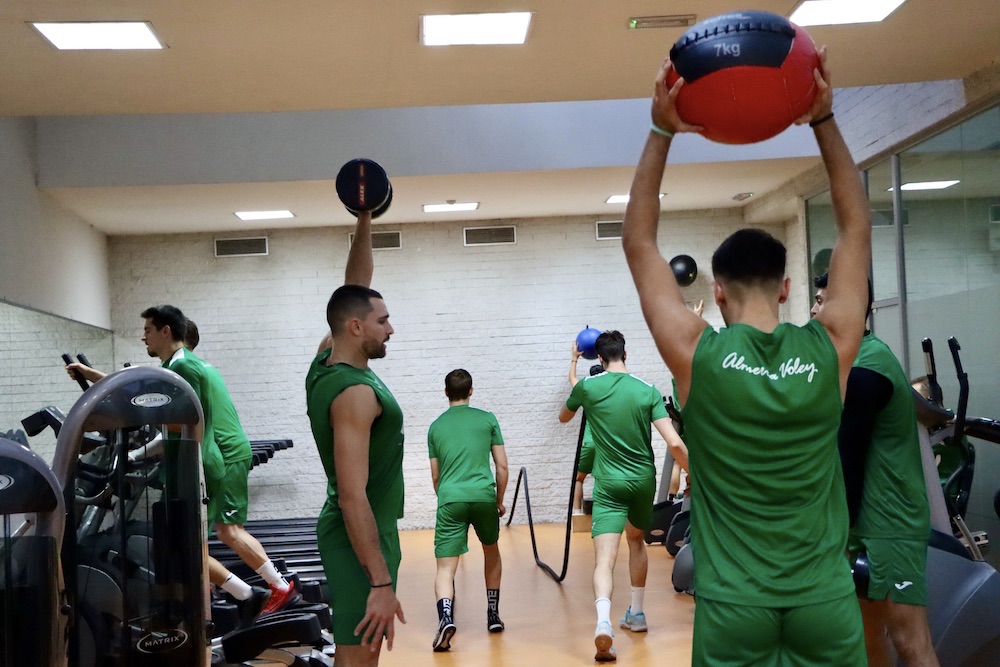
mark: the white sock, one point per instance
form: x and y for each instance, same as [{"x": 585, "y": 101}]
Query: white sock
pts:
[
  {"x": 603, "y": 610},
  {"x": 637, "y": 595},
  {"x": 236, "y": 587},
  {"x": 271, "y": 576}
]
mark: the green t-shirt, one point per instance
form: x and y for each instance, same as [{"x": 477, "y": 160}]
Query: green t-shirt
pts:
[
  {"x": 462, "y": 441},
  {"x": 385, "y": 453},
  {"x": 768, "y": 507},
  {"x": 619, "y": 407},
  {"x": 222, "y": 424},
  {"x": 894, "y": 502}
]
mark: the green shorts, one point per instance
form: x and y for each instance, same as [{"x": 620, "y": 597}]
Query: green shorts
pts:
[
  {"x": 828, "y": 633},
  {"x": 896, "y": 568},
  {"x": 451, "y": 531},
  {"x": 619, "y": 500},
  {"x": 229, "y": 497},
  {"x": 348, "y": 584},
  {"x": 586, "y": 458}
]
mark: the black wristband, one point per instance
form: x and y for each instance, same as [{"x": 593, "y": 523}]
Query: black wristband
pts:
[
  {"x": 821, "y": 120},
  {"x": 380, "y": 585}
]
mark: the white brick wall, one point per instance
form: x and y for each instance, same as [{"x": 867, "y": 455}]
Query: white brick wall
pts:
[
  {"x": 31, "y": 371},
  {"x": 508, "y": 314}
]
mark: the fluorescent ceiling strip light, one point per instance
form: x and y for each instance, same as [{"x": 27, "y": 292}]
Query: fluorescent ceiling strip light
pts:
[
  {"x": 623, "y": 199},
  {"x": 264, "y": 215},
  {"x": 445, "y": 208},
  {"x": 926, "y": 185},
  {"x": 120, "y": 35},
  {"x": 840, "y": 12},
  {"x": 454, "y": 29}
]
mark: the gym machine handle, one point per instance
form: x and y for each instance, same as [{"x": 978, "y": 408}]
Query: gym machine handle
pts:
[
  {"x": 963, "y": 387},
  {"x": 82, "y": 358},
  {"x": 931, "y": 369},
  {"x": 80, "y": 380}
]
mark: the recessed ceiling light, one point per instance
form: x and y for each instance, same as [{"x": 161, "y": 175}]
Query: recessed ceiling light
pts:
[
  {"x": 828, "y": 12},
  {"x": 118, "y": 35},
  {"x": 452, "y": 29},
  {"x": 926, "y": 185},
  {"x": 742, "y": 196},
  {"x": 623, "y": 199},
  {"x": 451, "y": 206},
  {"x": 264, "y": 215}
]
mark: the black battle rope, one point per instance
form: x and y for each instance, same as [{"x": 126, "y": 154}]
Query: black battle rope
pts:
[{"x": 569, "y": 510}]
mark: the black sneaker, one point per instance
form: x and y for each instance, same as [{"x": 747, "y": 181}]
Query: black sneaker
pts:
[
  {"x": 446, "y": 630},
  {"x": 493, "y": 622},
  {"x": 251, "y": 608}
]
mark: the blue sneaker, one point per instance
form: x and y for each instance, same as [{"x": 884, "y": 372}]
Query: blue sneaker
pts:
[
  {"x": 603, "y": 638},
  {"x": 634, "y": 622}
]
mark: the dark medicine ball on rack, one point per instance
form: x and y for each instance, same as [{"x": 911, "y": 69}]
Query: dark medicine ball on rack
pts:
[
  {"x": 363, "y": 185},
  {"x": 685, "y": 269}
]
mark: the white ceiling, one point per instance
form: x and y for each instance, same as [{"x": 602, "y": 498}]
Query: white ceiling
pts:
[{"x": 234, "y": 57}]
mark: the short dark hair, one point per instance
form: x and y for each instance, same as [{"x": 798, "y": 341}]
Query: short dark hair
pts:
[
  {"x": 346, "y": 302},
  {"x": 458, "y": 384},
  {"x": 167, "y": 316},
  {"x": 610, "y": 346},
  {"x": 191, "y": 336},
  {"x": 750, "y": 256},
  {"x": 823, "y": 280}
]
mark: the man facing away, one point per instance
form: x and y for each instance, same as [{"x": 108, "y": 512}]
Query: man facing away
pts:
[
  {"x": 460, "y": 443},
  {"x": 761, "y": 405},
  {"x": 620, "y": 408},
  {"x": 886, "y": 500},
  {"x": 358, "y": 428}
]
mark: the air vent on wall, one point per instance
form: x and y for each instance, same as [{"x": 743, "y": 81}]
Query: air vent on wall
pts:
[
  {"x": 490, "y": 235},
  {"x": 609, "y": 229},
  {"x": 246, "y": 247},
  {"x": 382, "y": 240}
]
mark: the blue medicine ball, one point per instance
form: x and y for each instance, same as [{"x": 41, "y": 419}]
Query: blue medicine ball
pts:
[{"x": 585, "y": 342}]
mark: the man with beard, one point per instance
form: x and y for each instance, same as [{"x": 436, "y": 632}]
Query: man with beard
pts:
[
  {"x": 357, "y": 534},
  {"x": 226, "y": 459}
]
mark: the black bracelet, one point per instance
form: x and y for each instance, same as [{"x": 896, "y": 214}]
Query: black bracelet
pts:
[
  {"x": 821, "y": 120},
  {"x": 380, "y": 585}
]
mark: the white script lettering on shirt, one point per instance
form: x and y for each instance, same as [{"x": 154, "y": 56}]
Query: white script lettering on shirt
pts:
[{"x": 793, "y": 366}]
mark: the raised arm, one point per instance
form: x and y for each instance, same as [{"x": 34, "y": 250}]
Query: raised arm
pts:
[
  {"x": 500, "y": 461},
  {"x": 843, "y": 314},
  {"x": 360, "y": 265},
  {"x": 353, "y": 413},
  {"x": 675, "y": 329},
  {"x": 573, "y": 359}
]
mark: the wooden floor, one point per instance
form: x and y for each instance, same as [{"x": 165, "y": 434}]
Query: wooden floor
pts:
[{"x": 548, "y": 624}]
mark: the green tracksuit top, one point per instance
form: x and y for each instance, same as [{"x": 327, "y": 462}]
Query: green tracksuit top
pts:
[
  {"x": 894, "y": 503},
  {"x": 768, "y": 510},
  {"x": 462, "y": 441},
  {"x": 385, "y": 454}
]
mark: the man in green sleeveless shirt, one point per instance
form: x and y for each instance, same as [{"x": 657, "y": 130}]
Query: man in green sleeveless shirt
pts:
[
  {"x": 226, "y": 460},
  {"x": 761, "y": 405},
  {"x": 620, "y": 408},
  {"x": 357, "y": 534},
  {"x": 460, "y": 443},
  {"x": 886, "y": 500}
]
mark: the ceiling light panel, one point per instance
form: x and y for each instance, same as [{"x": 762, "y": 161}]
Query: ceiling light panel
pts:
[
  {"x": 670, "y": 21},
  {"x": 839, "y": 12},
  {"x": 623, "y": 199},
  {"x": 453, "y": 206},
  {"x": 264, "y": 215},
  {"x": 926, "y": 185},
  {"x": 119, "y": 35},
  {"x": 477, "y": 29}
]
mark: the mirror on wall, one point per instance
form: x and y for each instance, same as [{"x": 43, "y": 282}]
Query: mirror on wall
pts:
[{"x": 32, "y": 374}]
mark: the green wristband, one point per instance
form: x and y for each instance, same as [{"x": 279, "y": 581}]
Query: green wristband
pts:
[{"x": 660, "y": 131}]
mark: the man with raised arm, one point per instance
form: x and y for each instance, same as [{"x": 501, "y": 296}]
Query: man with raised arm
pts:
[
  {"x": 357, "y": 534},
  {"x": 761, "y": 404},
  {"x": 620, "y": 408}
]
